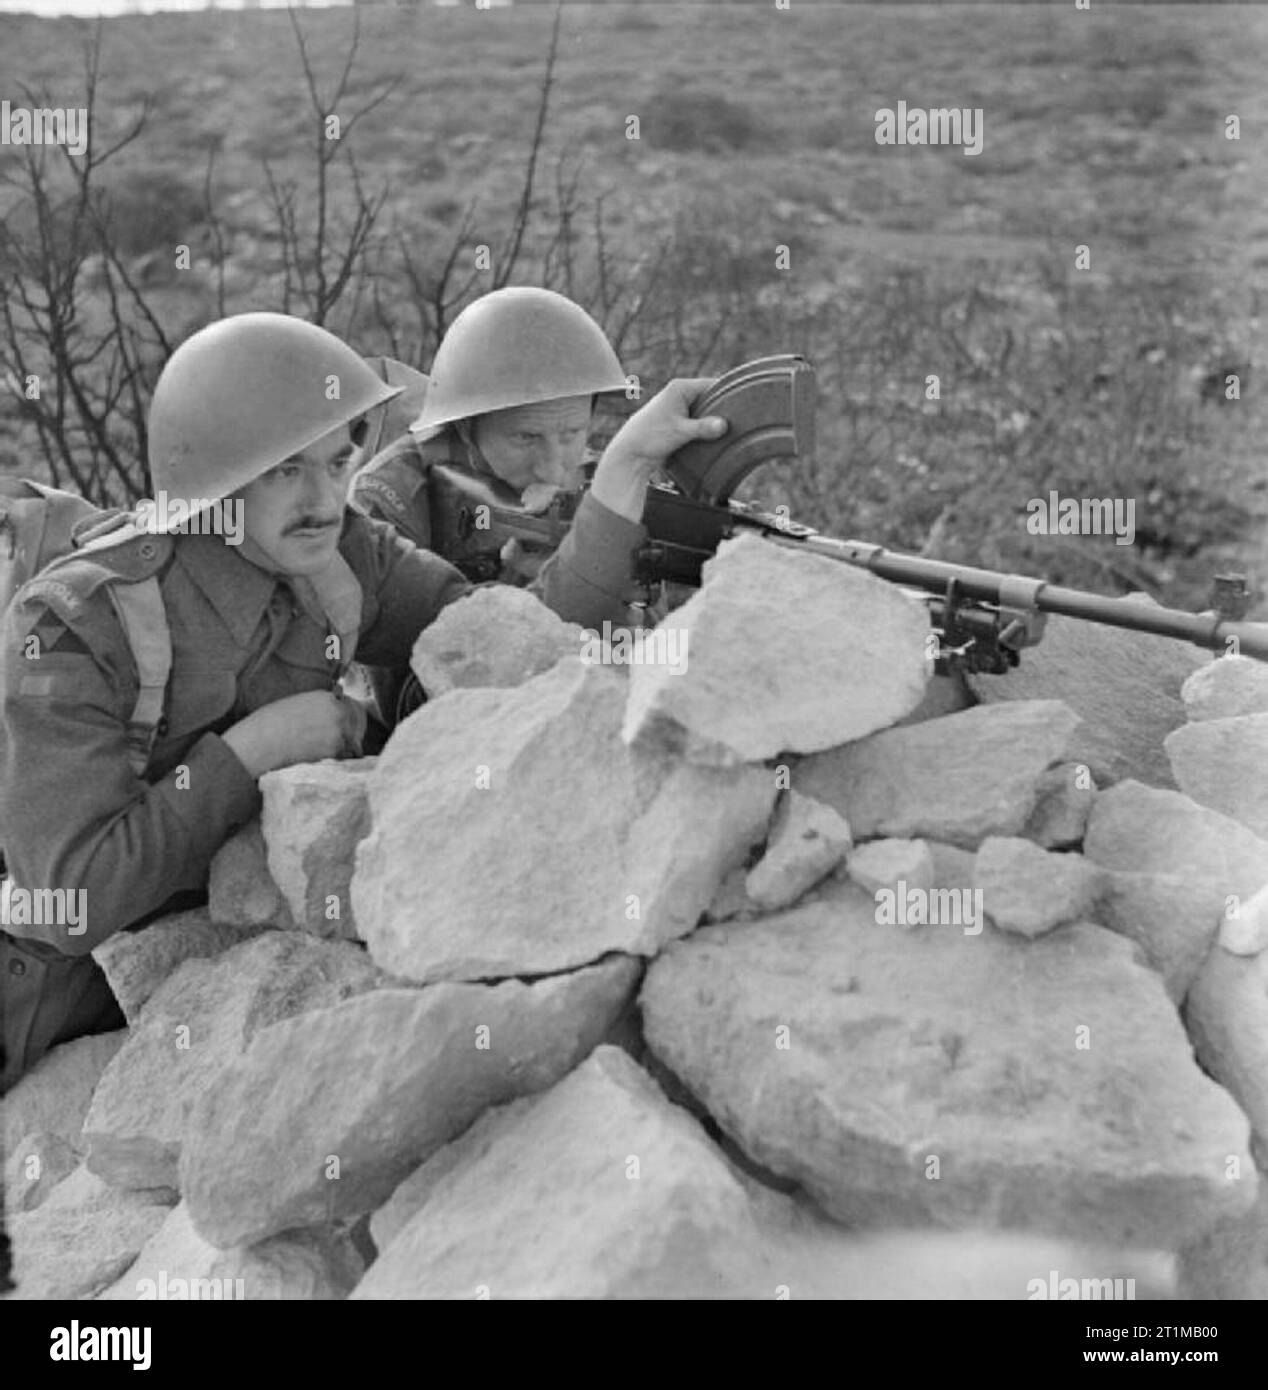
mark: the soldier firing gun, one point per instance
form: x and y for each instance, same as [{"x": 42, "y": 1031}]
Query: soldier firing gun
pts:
[{"x": 983, "y": 618}]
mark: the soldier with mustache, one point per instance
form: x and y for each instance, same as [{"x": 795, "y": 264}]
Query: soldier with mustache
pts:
[{"x": 150, "y": 678}]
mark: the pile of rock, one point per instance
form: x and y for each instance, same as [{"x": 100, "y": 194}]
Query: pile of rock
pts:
[{"x": 764, "y": 977}]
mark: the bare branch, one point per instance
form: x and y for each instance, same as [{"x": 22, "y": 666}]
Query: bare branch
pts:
[
  {"x": 216, "y": 228},
  {"x": 523, "y": 210}
]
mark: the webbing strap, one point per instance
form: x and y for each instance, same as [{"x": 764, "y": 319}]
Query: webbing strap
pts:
[
  {"x": 140, "y": 609},
  {"x": 108, "y": 532}
]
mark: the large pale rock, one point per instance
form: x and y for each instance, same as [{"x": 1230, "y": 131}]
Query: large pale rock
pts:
[
  {"x": 785, "y": 651},
  {"x": 882, "y": 864},
  {"x": 566, "y": 1214},
  {"x": 598, "y": 1189},
  {"x": 54, "y": 1096},
  {"x": 1174, "y": 919},
  {"x": 385, "y": 1080},
  {"x": 177, "y": 1263},
  {"x": 1223, "y": 763},
  {"x": 1246, "y": 934},
  {"x": 957, "y": 779},
  {"x": 1029, "y": 890},
  {"x": 412, "y": 1191},
  {"x": 314, "y": 816},
  {"x": 34, "y": 1167},
  {"x": 75, "y": 1248},
  {"x": 1227, "y": 687},
  {"x": 807, "y": 841},
  {"x": 1141, "y": 829},
  {"x": 1227, "y": 1014},
  {"x": 1062, "y": 808},
  {"x": 514, "y": 834},
  {"x": 195, "y": 1024},
  {"x": 83, "y": 1191},
  {"x": 137, "y": 962},
  {"x": 1125, "y": 685},
  {"x": 847, "y": 1056},
  {"x": 241, "y": 891},
  {"x": 495, "y": 636}
]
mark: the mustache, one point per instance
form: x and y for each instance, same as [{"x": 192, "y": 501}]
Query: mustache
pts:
[{"x": 311, "y": 523}]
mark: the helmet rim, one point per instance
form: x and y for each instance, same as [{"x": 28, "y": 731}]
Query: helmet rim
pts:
[
  {"x": 218, "y": 418},
  {"x": 516, "y": 346}
]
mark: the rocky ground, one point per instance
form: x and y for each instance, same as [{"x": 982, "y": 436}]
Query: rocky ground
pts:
[{"x": 796, "y": 974}]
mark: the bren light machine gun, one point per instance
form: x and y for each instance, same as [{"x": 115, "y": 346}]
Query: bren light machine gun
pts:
[{"x": 983, "y": 618}]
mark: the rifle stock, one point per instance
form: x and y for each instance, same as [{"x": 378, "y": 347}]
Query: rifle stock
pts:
[{"x": 473, "y": 518}]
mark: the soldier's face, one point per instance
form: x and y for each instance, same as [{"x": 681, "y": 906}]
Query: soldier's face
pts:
[
  {"x": 294, "y": 512},
  {"x": 540, "y": 443}
]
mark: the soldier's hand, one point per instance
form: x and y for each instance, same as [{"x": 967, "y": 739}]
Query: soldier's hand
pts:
[
  {"x": 298, "y": 729},
  {"x": 646, "y": 440}
]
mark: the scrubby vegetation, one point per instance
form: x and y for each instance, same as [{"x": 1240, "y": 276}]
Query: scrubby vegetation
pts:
[{"x": 1105, "y": 129}]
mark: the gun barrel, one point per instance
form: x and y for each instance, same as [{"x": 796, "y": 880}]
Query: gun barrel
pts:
[
  {"x": 684, "y": 532},
  {"x": 1207, "y": 630}
]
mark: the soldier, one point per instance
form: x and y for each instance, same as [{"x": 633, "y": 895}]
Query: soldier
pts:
[
  {"x": 506, "y": 419},
  {"x": 509, "y": 400},
  {"x": 117, "y": 784}
]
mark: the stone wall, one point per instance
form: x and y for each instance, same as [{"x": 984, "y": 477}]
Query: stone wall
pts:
[{"x": 778, "y": 969}]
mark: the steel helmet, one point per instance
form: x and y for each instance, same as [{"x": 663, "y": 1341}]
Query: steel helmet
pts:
[
  {"x": 516, "y": 347},
  {"x": 243, "y": 394}
]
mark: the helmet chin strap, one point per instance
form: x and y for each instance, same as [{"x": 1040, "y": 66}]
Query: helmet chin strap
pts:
[{"x": 332, "y": 597}]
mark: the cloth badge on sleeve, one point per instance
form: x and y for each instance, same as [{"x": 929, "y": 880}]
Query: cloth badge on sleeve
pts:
[{"x": 53, "y": 635}]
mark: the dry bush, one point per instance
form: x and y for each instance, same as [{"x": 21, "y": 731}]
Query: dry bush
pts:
[{"x": 82, "y": 252}]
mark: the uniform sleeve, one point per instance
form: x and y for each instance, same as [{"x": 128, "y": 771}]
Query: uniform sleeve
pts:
[
  {"x": 73, "y": 814},
  {"x": 405, "y": 589},
  {"x": 390, "y": 488},
  {"x": 590, "y": 578}
]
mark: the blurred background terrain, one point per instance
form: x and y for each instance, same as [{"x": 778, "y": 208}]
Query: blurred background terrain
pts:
[{"x": 755, "y": 131}]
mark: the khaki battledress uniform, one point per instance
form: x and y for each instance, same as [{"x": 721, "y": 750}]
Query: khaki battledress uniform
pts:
[{"x": 73, "y": 813}]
